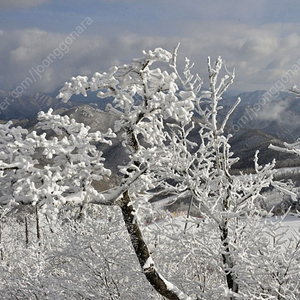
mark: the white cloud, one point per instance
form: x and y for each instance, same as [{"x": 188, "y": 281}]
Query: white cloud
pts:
[
  {"x": 273, "y": 111},
  {"x": 260, "y": 55}
]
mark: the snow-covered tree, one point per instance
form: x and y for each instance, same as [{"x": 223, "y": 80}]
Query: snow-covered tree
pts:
[
  {"x": 143, "y": 98},
  {"x": 230, "y": 205},
  {"x": 86, "y": 258},
  {"x": 157, "y": 108}
]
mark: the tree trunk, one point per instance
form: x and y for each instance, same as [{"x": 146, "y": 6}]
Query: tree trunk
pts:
[
  {"x": 162, "y": 286},
  {"x": 26, "y": 232},
  {"x": 227, "y": 260}
]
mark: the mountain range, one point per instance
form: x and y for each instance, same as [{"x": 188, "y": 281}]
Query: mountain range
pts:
[{"x": 257, "y": 121}]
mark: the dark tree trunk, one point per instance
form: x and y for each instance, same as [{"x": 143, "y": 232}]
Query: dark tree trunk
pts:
[
  {"x": 143, "y": 254},
  {"x": 227, "y": 260},
  {"x": 26, "y": 232}
]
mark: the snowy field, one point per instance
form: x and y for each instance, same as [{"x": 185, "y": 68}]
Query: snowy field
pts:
[{"x": 292, "y": 223}]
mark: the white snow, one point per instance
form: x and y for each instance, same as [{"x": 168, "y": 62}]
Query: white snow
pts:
[{"x": 148, "y": 264}]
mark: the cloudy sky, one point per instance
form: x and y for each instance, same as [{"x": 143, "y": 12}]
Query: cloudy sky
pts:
[{"x": 259, "y": 38}]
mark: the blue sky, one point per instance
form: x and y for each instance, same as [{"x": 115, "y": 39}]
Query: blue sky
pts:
[{"x": 259, "y": 38}]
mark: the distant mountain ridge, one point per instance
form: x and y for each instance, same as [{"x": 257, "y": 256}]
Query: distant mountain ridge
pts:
[
  {"x": 253, "y": 127},
  {"x": 27, "y": 106},
  {"x": 278, "y": 115}
]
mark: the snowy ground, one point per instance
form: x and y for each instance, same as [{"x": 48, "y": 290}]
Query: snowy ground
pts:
[{"x": 292, "y": 222}]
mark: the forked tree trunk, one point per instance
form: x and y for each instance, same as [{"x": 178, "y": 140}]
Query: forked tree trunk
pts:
[{"x": 161, "y": 285}]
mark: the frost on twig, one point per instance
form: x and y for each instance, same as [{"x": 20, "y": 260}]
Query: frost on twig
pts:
[{"x": 292, "y": 148}]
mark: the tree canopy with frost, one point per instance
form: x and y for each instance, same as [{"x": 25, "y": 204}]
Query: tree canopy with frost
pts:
[{"x": 158, "y": 107}]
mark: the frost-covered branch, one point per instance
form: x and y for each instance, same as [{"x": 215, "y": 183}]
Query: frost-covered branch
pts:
[
  {"x": 293, "y": 148},
  {"x": 73, "y": 165}
]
